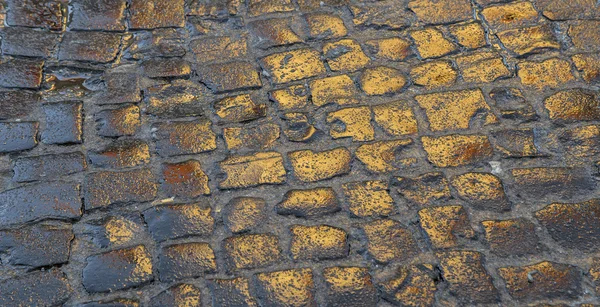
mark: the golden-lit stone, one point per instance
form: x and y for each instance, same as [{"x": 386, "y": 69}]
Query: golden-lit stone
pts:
[
  {"x": 275, "y": 32},
  {"x": 182, "y": 295},
  {"x": 231, "y": 292},
  {"x": 456, "y": 150},
  {"x": 173, "y": 221},
  {"x": 318, "y": 242},
  {"x": 244, "y": 214},
  {"x": 380, "y": 157},
  {"x": 352, "y": 122},
  {"x": 396, "y": 118},
  {"x": 389, "y": 241},
  {"x": 434, "y": 74},
  {"x": 184, "y": 179},
  {"x": 470, "y": 34},
  {"x": 293, "y": 65},
  {"x": 314, "y": 166},
  {"x": 252, "y": 170},
  {"x": 186, "y": 260},
  {"x": 368, "y": 198},
  {"x": 349, "y": 284},
  {"x": 308, "y": 203},
  {"x": 251, "y": 251},
  {"x": 585, "y": 34},
  {"x": 290, "y": 98},
  {"x": 573, "y": 105},
  {"x": 261, "y": 7},
  {"x": 120, "y": 154},
  {"x": 439, "y": 12},
  {"x": 119, "y": 230},
  {"x": 378, "y": 15},
  {"x": 413, "y": 286},
  {"x": 540, "y": 182},
  {"x": 381, "y": 81},
  {"x": 345, "y": 54},
  {"x": 573, "y": 9},
  {"x": 184, "y": 137},
  {"x": 482, "y": 190},
  {"x": 581, "y": 142},
  {"x": 467, "y": 277},
  {"x": 528, "y": 40},
  {"x": 511, "y": 237},
  {"x": 455, "y": 110},
  {"x": 446, "y": 226},
  {"x": 392, "y": 48},
  {"x": 239, "y": 108},
  {"x": 424, "y": 189},
  {"x": 258, "y": 137},
  {"x": 325, "y": 26},
  {"x": 299, "y": 127},
  {"x": 482, "y": 67},
  {"x": 286, "y": 288},
  {"x": 543, "y": 280},
  {"x": 431, "y": 43},
  {"x": 549, "y": 73},
  {"x": 588, "y": 66},
  {"x": 510, "y": 15},
  {"x": 333, "y": 90}
]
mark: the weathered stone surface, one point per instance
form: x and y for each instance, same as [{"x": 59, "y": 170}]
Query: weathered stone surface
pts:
[
  {"x": 120, "y": 302},
  {"x": 468, "y": 279},
  {"x": 260, "y": 7},
  {"x": 585, "y": 34},
  {"x": 186, "y": 260},
  {"x": 21, "y": 73},
  {"x": 286, "y": 288},
  {"x": 299, "y": 127},
  {"x": 318, "y": 242},
  {"x": 378, "y": 15},
  {"x": 107, "y": 188},
  {"x": 588, "y": 66},
  {"x": 121, "y": 154},
  {"x": 309, "y": 203},
  {"x": 314, "y": 166},
  {"x": 17, "y": 103},
  {"x": 446, "y": 226},
  {"x": 573, "y": 105},
  {"x": 544, "y": 280},
  {"x": 35, "y": 13},
  {"x": 431, "y": 43},
  {"x": 121, "y": 121},
  {"x": 368, "y": 198},
  {"x": 116, "y": 230},
  {"x": 550, "y": 73},
  {"x": 276, "y": 32},
  {"x": 388, "y": 240},
  {"x": 411, "y": 286},
  {"x": 179, "y": 295},
  {"x": 352, "y": 122},
  {"x": 156, "y": 14},
  {"x": 581, "y": 143},
  {"x": 325, "y": 26},
  {"x": 434, "y": 74},
  {"x": 227, "y": 77},
  {"x": 101, "y": 47},
  {"x": 48, "y": 166},
  {"x": 482, "y": 67},
  {"x": 258, "y": 137},
  {"x": 64, "y": 123},
  {"x": 483, "y": 191},
  {"x": 393, "y": 48},
  {"x": 438, "y": 12},
  {"x": 166, "y": 68},
  {"x": 512, "y": 104},
  {"x": 339, "y": 90},
  {"x": 159, "y": 42},
  {"x": 184, "y": 137},
  {"x": 244, "y": 214},
  {"x": 424, "y": 189},
  {"x": 382, "y": 81},
  {"x": 345, "y": 54},
  {"x": 184, "y": 179},
  {"x": 516, "y": 143},
  {"x": 118, "y": 269},
  {"x": 290, "y": 98},
  {"x": 251, "y": 251},
  {"x": 231, "y": 292},
  {"x": 28, "y": 42},
  {"x": 594, "y": 273},
  {"x": 469, "y": 34},
  {"x": 38, "y": 245},
  {"x": 396, "y": 118},
  {"x": 456, "y": 150},
  {"x": 381, "y": 157},
  {"x": 510, "y": 15},
  {"x": 177, "y": 99},
  {"x": 107, "y": 15},
  {"x": 178, "y": 221},
  {"x": 252, "y": 170},
  {"x": 218, "y": 48},
  {"x": 563, "y": 182},
  {"x": 121, "y": 87},
  {"x": 240, "y": 108},
  {"x": 511, "y": 237},
  {"x": 57, "y": 200},
  {"x": 41, "y": 288},
  {"x": 529, "y": 40},
  {"x": 349, "y": 286},
  {"x": 293, "y": 65}
]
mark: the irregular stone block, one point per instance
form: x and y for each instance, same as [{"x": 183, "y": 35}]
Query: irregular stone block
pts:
[
  {"x": 388, "y": 240},
  {"x": 64, "y": 123},
  {"x": 368, "y": 198},
  {"x": 106, "y": 188},
  {"x": 40, "y": 288},
  {"x": 184, "y": 179},
  {"x": 457, "y": 150},
  {"x": 384, "y": 156},
  {"x": 286, "y": 288},
  {"x": 425, "y": 189},
  {"x": 312, "y": 166},
  {"x": 468, "y": 279},
  {"x": 446, "y": 226},
  {"x": 511, "y": 237},
  {"x": 121, "y": 154},
  {"x": 481, "y": 190},
  {"x": 345, "y": 54},
  {"x": 28, "y": 42},
  {"x": 308, "y": 203},
  {"x": 252, "y": 170},
  {"x": 318, "y": 242},
  {"x": 21, "y": 73},
  {"x": 186, "y": 260},
  {"x": 48, "y": 166},
  {"x": 228, "y": 77},
  {"x": 349, "y": 287},
  {"x": 35, "y": 13},
  {"x": 150, "y": 14},
  {"x": 231, "y": 292},
  {"x": 543, "y": 280},
  {"x": 118, "y": 122},
  {"x": 351, "y": 122},
  {"x": 293, "y": 65},
  {"x": 106, "y": 15},
  {"x": 241, "y": 108},
  {"x": 179, "y": 295},
  {"x": 100, "y": 47},
  {"x": 184, "y": 138},
  {"x": 251, "y": 251},
  {"x": 244, "y": 214},
  {"x": 179, "y": 221}
]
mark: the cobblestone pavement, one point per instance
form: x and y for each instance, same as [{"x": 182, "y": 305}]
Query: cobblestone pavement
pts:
[{"x": 299, "y": 153}]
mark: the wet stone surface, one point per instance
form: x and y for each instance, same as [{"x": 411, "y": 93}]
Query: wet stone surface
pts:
[{"x": 299, "y": 153}]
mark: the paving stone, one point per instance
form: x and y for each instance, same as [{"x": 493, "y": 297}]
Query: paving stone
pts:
[
  {"x": 184, "y": 179},
  {"x": 116, "y": 230},
  {"x": 117, "y": 122},
  {"x": 179, "y": 221},
  {"x": 309, "y": 203},
  {"x": 573, "y": 105},
  {"x": 276, "y": 32},
  {"x": 469, "y": 34},
  {"x": 594, "y": 273},
  {"x": 286, "y": 288},
  {"x": 325, "y": 26},
  {"x": 244, "y": 171},
  {"x": 318, "y": 242},
  {"x": 382, "y": 81},
  {"x": 213, "y": 8},
  {"x": 529, "y": 40},
  {"x": 411, "y": 286},
  {"x": 218, "y": 48},
  {"x": 516, "y": 143},
  {"x": 380, "y": 15},
  {"x": 17, "y": 103},
  {"x": 258, "y": 137},
  {"x": 368, "y": 198},
  {"x": 38, "y": 245},
  {"x": 431, "y": 43},
  {"x": 434, "y": 74},
  {"x": 543, "y": 280},
  {"x": 352, "y": 122},
  {"x": 157, "y": 43},
  {"x": 64, "y": 123},
  {"x": 455, "y": 110},
  {"x": 261, "y": 7},
  {"x": 244, "y": 214},
  {"x": 482, "y": 67},
  {"x": 588, "y": 66},
  {"x": 35, "y": 13},
  {"x": 392, "y": 48},
  {"x": 396, "y": 118},
  {"x": 28, "y": 42},
  {"x": 120, "y": 302},
  {"x": 572, "y": 225},
  {"x": 512, "y": 104},
  {"x": 298, "y": 127},
  {"x": 184, "y": 137},
  {"x": 511, "y": 237},
  {"x": 456, "y": 150},
  {"x": 384, "y": 156},
  {"x": 510, "y": 15},
  {"x": 309, "y": 5},
  {"x": 550, "y": 73},
  {"x": 238, "y": 109},
  {"x": 121, "y": 154},
  {"x": 121, "y": 87},
  {"x": 563, "y": 182},
  {"x": 349, "y": 286},
  {"x": 482, "y": 191},
  {"x": 57, "y": 200},
  {"x": 101, "y": 47},
  {"x": 117, "y": 270},
  {"x": 292, "y": 65},
  {"x": 251, "y": 251},
  {"x": 40, "y": 288},
  {"x": 166, "y": 68},
  {"x": 186, "y": 260},
  {"x": 290, "y": 98},
  {"x": 106, "y": 188},
  {"x": 156, "y": 14},
  {"x": 425, "y": 189},
  {"x": 446, "y": 226},
  {"x": 312, "y": 166},
  {"x": 231, "y": 292},
  {"x": 584, "y": 35},
  {"x": 438, "y": 12},
  {"x": 46, "y": 167},
  {"x": 20, "y": 73},
  {"x": 388, "y": 240},
  {"x": 179, "y": 295},
  {"x": 107, "y": 15},
  {"x": 339, "y": 90},
  {"x": 345, "y": 54},
  {"x": 581, "y": 142},
  {"x": 468, "y": 279},
  {"x": 561, "y": 10},
  {"x": 227, "y": 77}
]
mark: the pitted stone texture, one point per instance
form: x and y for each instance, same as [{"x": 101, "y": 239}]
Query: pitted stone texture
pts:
[
  {"x": 156, "y": 14},
  {"x": 231, "y": 292},
  {"x": 563, "y": 182},
  {"x": 368, "y": 198},
  {"x": 411, "y": 286},
  {"x": 318, "y": 242},
  {"x": 41, "y": 288},
  {"x": 446, "y": 226},
  {"x": 184, "y": 179},
  {"x": 428, "y": 188},
  {"x": 388, "y": 240},
  {"x": 179, "y": 295},
  {"x": 293, "y": 65},
  {"x": 20, "y": 73},
  {"x": 121, "y": 154},
  {"x": 252, "y": 170},
  {"x": 349, "y": 287},
  {"x": 63, "y": 123},
  {"x": 17, "y": 103},
  {"x": 251, "y": 251},
  {"x": 38, "y": 245},
  {"x": 457, "y": 150},
  {"x": 314, "y": 166},
  {"x": 178, "y": 221},
  {"x": 100, "y": 47},
  {"x": 309, "y": 203},
  {"x": 29, "y": 42},
  {"x": 228, "y": 77},
  {"x": 244, "y": 214},
  {"x": 511, "y": 237},
  {"x": 35, "y": 13},
  {"x": 120, "y": 121},
  {"x": 48, "y": 166},
  {"x": 184, "y": 137},
  {"x": 107, "y": 188},
  {"x": 468, "y": 279},
  {"x": 286, "y": 288},
  {"x": 482, "y": 190},
  {"x": 385, "y": 156},
  {"x": 186, "y": 260},
  {"x": 107, "y": 15},
  {"x": 239, "y": 109}
]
